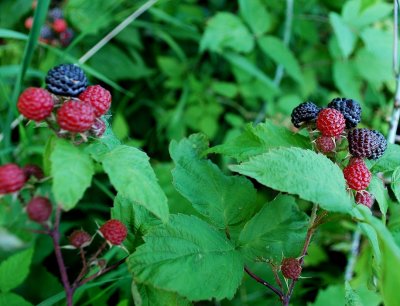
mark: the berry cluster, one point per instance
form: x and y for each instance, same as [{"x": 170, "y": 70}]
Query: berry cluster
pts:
[
  {"x": 335, "y": 123},
  {"x": 69, "y": 106},
  {"x": 55, "y": 31}
]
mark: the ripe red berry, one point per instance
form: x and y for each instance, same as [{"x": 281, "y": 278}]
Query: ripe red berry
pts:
[
  {"x": 325, "y": 144},
  {"x": 355, "y": 160},
  {"x": 114, "y": 231},
  {"x": 98, "y": 128},
  {"x": 291, "y": 268},
  {"x": 60, "y": 25},
  {"x": 33, "y": 170},
  {"x": 364, "y": 198},
  {"x": 79, "y": 239},
  {"x": 28, "y": 23},
  {"x": 330, "y": 122},
  {"x": 12, "y": 178},
  {"x": 98, "y": 97},
  {"x": 39, "y": 209},
  {"x": 75, "y": 116},
  {"x": 35, "y": 103},
  {"x": 357, "y": 176}
]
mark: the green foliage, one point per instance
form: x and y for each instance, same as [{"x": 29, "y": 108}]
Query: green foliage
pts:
[
  {"x": 14, "y": 270},
  {"x": 11, "y": 299},
  {"x": 272, "y": 169},
  {"x": 184, "y": 253},
  {"x": 72, "y": 170},
  {"x": 148, "y": 295}
]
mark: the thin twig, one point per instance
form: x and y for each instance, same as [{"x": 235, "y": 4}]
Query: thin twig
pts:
[
  {"x": 348, "y": 274},
  {"x": 116, "y": 30},
  {"x": 265, "y": 283}
]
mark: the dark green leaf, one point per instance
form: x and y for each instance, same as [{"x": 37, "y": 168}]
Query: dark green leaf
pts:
[
  {"x": 11, "y": 299},
  {"x": 14, "y": 270}
]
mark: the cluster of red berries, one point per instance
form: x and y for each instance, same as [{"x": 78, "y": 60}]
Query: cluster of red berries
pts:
[
  {"x": 69, "y": 106},
  {"x": 337, "y": 122},
  {"x": 55, "y": 31}
]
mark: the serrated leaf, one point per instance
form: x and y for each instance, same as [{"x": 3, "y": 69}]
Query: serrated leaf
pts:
[
  {"x": 379, "y": 191},
  {"x": 351, "y": 297},
  {"x": 313, "y": 177},
  {"x": 259, "y": 139},
  {"x": 346, "y": 38},
  {"x": 130, "y": 173},
  {"x": 275, "y": 48},
  {"x": 184, "y": 255},
  {"x": 11, "y": 299},
  {"x": 151, "y": 296},
  {"x": 72, "y": 170},
  {"x": 216, "y": 38},
  {"x": 256, "y": 15},
  {"x": 282, "y": 234},
  {"x": 14, "y": 270},
  {"x": 225, "y": 200},
  {"x": 389, "y": 161},
  {"x": 395, "y": 184}
]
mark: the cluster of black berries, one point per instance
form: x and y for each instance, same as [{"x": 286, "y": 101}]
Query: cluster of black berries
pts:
[
  {"x": 55, "y": 31},
  {"x": 69, "y": 106},
  {"x": 339, "y": 121}
]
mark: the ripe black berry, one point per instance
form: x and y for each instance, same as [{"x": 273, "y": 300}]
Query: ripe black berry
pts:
[
  {"x": 305, "y": 112},
  {"x": 381, "y": 148},
  {"x": 66, "y": 80},
  {"x": 362, "y": 142},
  {"x": 350, "y": 109}
]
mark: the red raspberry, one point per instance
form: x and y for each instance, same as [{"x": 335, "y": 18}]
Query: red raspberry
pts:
[
  {"x": 28, "y": 23},
  {"x": 12, "y": 178},
  {"x": 325, "y": 144},
  {"x": 35, "y": 103},
  {"x": 355, "y": 160},
  {"x": 364, "y": 198},
  {"x": 99, "y": 97},
  {"x": 357, "y": 176},
  {"x": 75, "y": 116},
  {"x": 33, "y": 170},
  {"x": 98, "y": 128},
  {"x": 39, "y": 209},
  {"x": 60, "y": 25},
  {"x": 291, "y": 268},
  {"x": 114, "y": 231},
  {"x": 330, "y": 122},
  {"x": 79, "y": 239}
]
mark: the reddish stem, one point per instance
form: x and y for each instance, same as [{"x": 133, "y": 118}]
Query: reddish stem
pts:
[{"x": 264, "y": 283}]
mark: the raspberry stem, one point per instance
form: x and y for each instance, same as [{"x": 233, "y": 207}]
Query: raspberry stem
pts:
[{"x": 265, "y": 283}]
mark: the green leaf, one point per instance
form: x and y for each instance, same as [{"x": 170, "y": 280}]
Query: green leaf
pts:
[
  {"x": 247, "y": 66},
  {"x": 372, "y": 14},
  {"x": 281, "y": 54},
  {"x": 378, "y": 189},
  {"x": 284, "y": 233},
  {"x": 190, "y": 257},
  {"x": 226, "y": 31},
  {"x": 225, "y": 200},
  {"x": 352, "y": 298},
  {"x": 11, "y": 299},
  {"x": 72, "y": 170},
  {"x": 48, "y": 150},
  {"x": 372, "y": 67},
  {"x": 389, "y": 161},
  {"x": 103, "y": 145},
  {"x": 151, "y": 296},
  {"x": 120, "y": 126},
  {"x": 131, "y": 174},
  {"x": 331, "y": 296},
  {"x": 346, "y": 79},
  {"x": 301, "y": 172},
  {"x": 346, "y": 38},
  {"x": 14, "y": 270},
  {"x": 260, "y": 139},
  {"x": 255, "y": 13},
  {"x": 395, "y": 184}
]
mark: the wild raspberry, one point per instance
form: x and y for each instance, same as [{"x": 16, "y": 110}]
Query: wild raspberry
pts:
[
  {"x": 66, "y": 37},
  {"x": 76, "y": 117},
  {"x": 330, "y": 122},
  {"x": 35, "y": 104},
  {"x": 66, "y": 80},
  {"x": 325, "y": 144},
  {"x": 46, "y": 33},
  {"x": 291, "y": 268},
  {"x": 12, "y": 178},
  {"x": 364, "y": 198},
  {"x": 79, "y": 239},
  {"x": 39, "y": 209},
  {"x": 98, "y": 97},
  {"x": 362, "y": 142},
  {"x": 355, "y": 160},
  {"x": 381, "y": 146},
  {"x": 33, "y": 170},
  {"x": 59, "y": 25},
  {"x": 350, "y": 109},
  {"x": 98, "y": 128},
  {"x": 114, "y": 231},
  {"x": 305, "y": 112},
  {"x": 28, "y": 23},
  {"x": 56, "y": 13},
  {"x": 357, "y": 176}
]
